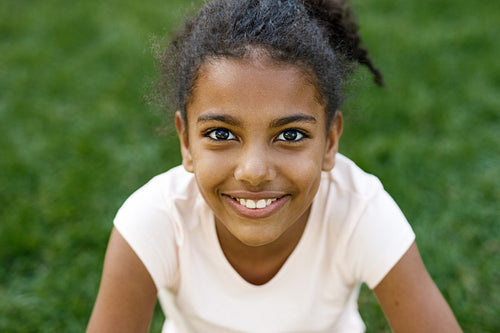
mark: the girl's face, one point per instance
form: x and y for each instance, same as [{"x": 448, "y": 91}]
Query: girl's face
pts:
[{"x": 256, "y": 141}]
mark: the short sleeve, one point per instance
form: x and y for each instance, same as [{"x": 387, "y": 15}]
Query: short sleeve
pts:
[
  {"x": 380, "y": 238},
  {"x": 144, "y": 222}
]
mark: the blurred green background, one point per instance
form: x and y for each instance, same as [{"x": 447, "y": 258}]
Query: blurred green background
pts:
[{"x": 77, "y": 138}]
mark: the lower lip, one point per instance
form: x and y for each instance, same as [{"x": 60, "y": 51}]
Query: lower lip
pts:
[{"x": 256, "y": 213}]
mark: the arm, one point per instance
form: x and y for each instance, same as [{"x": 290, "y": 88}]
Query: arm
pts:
[
  {"x": 410, "y": 299},
  {"x": 127, "y": 295}
]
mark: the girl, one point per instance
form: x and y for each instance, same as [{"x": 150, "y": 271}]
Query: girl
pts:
[{"x": 265, "y": 227}]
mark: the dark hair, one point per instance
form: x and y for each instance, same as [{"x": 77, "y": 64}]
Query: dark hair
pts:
[{"x": 320, "y": 36}]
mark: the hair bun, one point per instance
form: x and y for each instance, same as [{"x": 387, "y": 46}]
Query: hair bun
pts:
[{"x": 338, "y": 20}]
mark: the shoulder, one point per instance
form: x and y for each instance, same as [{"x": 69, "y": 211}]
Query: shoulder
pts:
[
  {"x": 368, "y": 229},
  {"x": 345, "y": 192},
  {"x": 153, "y": 221},
  {"x": 161, "y": 195},
  {"x": 173, "y": 183},
  {"x": 350, "y": 178},
  {"x": 344, "y": 197}
]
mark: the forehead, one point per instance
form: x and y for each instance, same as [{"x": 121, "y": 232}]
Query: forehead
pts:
[{"x": 253, "y": 86}]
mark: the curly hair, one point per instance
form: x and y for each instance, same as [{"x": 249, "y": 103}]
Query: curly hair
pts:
[{"x": 320, "y": 36}]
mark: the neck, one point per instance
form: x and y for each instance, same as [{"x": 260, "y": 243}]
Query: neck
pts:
[{"x": 259, "y": 264}]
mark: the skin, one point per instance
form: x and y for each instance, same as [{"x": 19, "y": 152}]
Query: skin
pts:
[
  {"x": 410, "y": 299},
  {"x": 127, "y": 294},
  {"x": 257, "y": 130},
  {"x": 255, "y": 104}
]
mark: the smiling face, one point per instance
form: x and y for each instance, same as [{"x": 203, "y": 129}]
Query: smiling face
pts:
[{"x": 256, "y": 141}]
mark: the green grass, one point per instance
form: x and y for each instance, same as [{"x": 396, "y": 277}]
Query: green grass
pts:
[{"x": 77, "y": 139}]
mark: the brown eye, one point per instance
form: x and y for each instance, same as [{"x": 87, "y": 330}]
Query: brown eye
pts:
[
  {"x": 290, "y": 135},
  {"x": 221, "y": 134}
]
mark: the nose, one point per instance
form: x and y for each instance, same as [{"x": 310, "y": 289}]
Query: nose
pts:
[{"x": 255, "y": 166}]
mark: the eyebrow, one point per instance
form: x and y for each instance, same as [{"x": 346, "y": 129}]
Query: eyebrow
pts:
[
  {"x": 275, "y": 123},
  {"x": 219, "y": 117},
  {"x": 293, "y": 119}
]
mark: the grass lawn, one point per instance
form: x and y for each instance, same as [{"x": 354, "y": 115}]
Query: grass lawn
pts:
[{"x": 77, "y": 138}]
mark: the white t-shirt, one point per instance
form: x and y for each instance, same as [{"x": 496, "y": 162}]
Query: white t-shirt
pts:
[{"x": 355, "y": 233}]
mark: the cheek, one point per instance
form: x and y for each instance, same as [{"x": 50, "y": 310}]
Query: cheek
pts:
[
  {"x": 306, "y": 161},
  {"x": 303, "y": 169},
  {"x": 210, "y": 170}
]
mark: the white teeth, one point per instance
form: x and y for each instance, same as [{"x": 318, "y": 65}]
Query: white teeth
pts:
[{"x": 262, "y": 203}]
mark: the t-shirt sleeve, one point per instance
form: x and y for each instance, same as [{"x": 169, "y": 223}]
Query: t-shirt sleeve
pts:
[
  {"x": 144, "y": 222},
  {"x": 380, "y": 238}
]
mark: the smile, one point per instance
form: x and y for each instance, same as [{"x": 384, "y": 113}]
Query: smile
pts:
[
  {"x": 255, "y": 204},
  {"x": 256, "y": 208}
]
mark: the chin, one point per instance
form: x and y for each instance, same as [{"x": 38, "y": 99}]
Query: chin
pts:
[
  {"x": 256, "y": 243},
  {"x": 258, "y": 239}
]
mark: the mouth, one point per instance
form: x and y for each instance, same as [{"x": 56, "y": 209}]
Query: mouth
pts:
[
  {"x": 255, "y": 204},
  {"x": 262, "y": 207}
]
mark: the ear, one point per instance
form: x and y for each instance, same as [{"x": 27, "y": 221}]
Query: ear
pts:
[
  {"x": 187, "y": 159},
  {"x": 332, "y": 142}
]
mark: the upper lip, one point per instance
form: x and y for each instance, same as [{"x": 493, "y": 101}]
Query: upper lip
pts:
[{"x": 255, "y": 195}]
